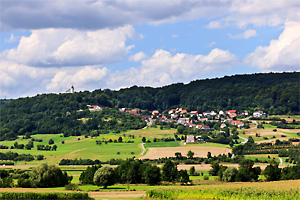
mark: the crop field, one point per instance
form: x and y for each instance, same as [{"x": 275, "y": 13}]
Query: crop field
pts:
[
  {"x": 200, "y": 151},
  {"x": 279, "y": 190}
]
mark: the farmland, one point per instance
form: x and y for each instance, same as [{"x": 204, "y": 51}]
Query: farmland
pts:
[{"x": 270, "y": 190}]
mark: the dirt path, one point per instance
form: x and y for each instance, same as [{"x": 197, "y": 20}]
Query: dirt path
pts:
[
  {"x": 143, "y": 149},
  {"x": 117, "y": 195},
  {"x": 246, "y": 140}
]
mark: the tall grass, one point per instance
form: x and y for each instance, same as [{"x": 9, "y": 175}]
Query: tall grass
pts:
[{"x": 256, "y": 192}]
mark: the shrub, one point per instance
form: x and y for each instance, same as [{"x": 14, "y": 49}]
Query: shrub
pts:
[
  {"x": 71, "y": 186},
  {"x": 206, "y": 177}
]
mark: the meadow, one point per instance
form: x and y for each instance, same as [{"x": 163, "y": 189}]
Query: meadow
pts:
[{"x": 279, "y": 190}]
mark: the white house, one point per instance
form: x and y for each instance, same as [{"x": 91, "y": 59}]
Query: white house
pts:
[
  {"x": 258, "y": 113},
  {"x": 221, "y": 112},
  {"x": 95, "y": 108},
  {"x": 190, "y": 139}
]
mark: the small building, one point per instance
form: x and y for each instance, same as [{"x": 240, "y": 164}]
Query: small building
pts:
[
  {"x": 221, "y": 112},
  {"x": 155, "y": 112},
  {"x": 223, "y": 126},
  {"x": 190, "y": 139},
  {"x": 258, "y": 113},
  {"x": 95, "y": 108}
]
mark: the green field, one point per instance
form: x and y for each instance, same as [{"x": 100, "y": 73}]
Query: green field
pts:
[
  {"x": 163, "y": 144},
  {"x": 278, "y": 190},
  {"x": 84, "y": 148}
]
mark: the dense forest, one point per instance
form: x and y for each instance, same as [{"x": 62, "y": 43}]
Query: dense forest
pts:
[{"x": 274, "y": 93}]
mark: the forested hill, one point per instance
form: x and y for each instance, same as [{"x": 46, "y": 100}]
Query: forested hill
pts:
[{"x": 274, "y": 93}]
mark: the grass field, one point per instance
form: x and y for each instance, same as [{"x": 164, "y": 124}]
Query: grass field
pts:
[
  {"x": 84, "y": 148},
  {"x": 153, "y": 132},
  {"x": 279, "y": 190},
  {"x": 163, "y": 144}
]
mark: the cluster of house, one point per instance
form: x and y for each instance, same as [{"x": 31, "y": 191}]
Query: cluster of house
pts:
[{"x": 178, "y": 116}]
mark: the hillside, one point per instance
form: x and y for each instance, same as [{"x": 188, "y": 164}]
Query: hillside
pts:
[{"x": 275, "y": 93}]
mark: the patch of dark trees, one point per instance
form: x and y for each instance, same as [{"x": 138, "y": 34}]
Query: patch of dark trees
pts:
[{"x": 19, "y": 157}]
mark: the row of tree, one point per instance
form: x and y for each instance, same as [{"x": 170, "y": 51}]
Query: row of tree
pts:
[{"x": 133, "y": 172}]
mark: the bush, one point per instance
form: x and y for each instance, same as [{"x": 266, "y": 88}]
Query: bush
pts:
[
  {"x": 52, "y": 195},
  {"x": 206, "y": 177},
  {"x": 71, "y": 186}
]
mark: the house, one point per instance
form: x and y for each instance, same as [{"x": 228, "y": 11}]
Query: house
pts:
[
  {"x": 221, "y": 112},
  {"x": 172, "y": 111},
  {"x": 155, "y": 112},
  {"x": 223, "y": 126},
  {"x": 231, "y": 113},
  {"x": 122, "y": 109},
  {"x": 182, "y": 120},
  {"x": 174, "y": 116},
  {"x": 134, "y": 112},
  {"x": 207, "y": 128},
  {"x": 191, "y": 125},
  {"x": 194, "y": 113},
  {"x": 183, "y": 111},
  {"x": 237, "y": 123},
  {"x": 95, "y": 108},
  {"x": 198, "y": 137},
  {"x": 212, "y": 113},
  {"x": 190, "y": 139},
  {"x": 199, "y": 126},
  {"x": 258, "y": 113},
  {"x": 202, "y": 119},
  {"x": 207, "y": 114}
]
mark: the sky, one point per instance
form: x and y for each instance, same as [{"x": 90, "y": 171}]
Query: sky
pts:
[{"x": 49, "y": 45}]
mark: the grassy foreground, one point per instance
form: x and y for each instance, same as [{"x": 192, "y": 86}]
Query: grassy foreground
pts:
[{"x": 279, "y": 190}]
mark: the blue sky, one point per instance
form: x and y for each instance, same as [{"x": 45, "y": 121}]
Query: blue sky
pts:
[{"x": 47, "y": 46}]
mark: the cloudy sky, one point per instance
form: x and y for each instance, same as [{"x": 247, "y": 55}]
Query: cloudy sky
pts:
[{"x": 49, "y": 45}]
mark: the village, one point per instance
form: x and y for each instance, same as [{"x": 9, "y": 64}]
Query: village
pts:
[{"x": 191, "y": 119}]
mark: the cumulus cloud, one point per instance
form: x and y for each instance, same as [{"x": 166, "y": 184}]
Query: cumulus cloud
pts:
[
  {"x": 19, "y": 80},
  {"x": 94, "y": 14},
  {"x": 247, "y": 34},
  {"x": 67, "y": 47},
  {"x": 282, "y": 54},
  {"x": 138, "y": 57},
  {"x": 84, "y": 78},
  {"x": 164, "y": 68},
  {"x": 258, "y": 13}
]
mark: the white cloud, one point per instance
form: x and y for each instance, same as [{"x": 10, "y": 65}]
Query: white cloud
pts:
[
  {"x": 212, "y": 44},
  {"x": 92, "y": 14},
  {"x": 247, "y": 34},
  {"x": 66, "y": 47},
  {"x": 84, "y": 78},
  {"x": 281, "y": 54},
  {"x": 258, "y": 13},
  {"x": 21, "y": 80},
  {"x": 138, "y": 57},
  {"x": 164, "y": 68}
]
